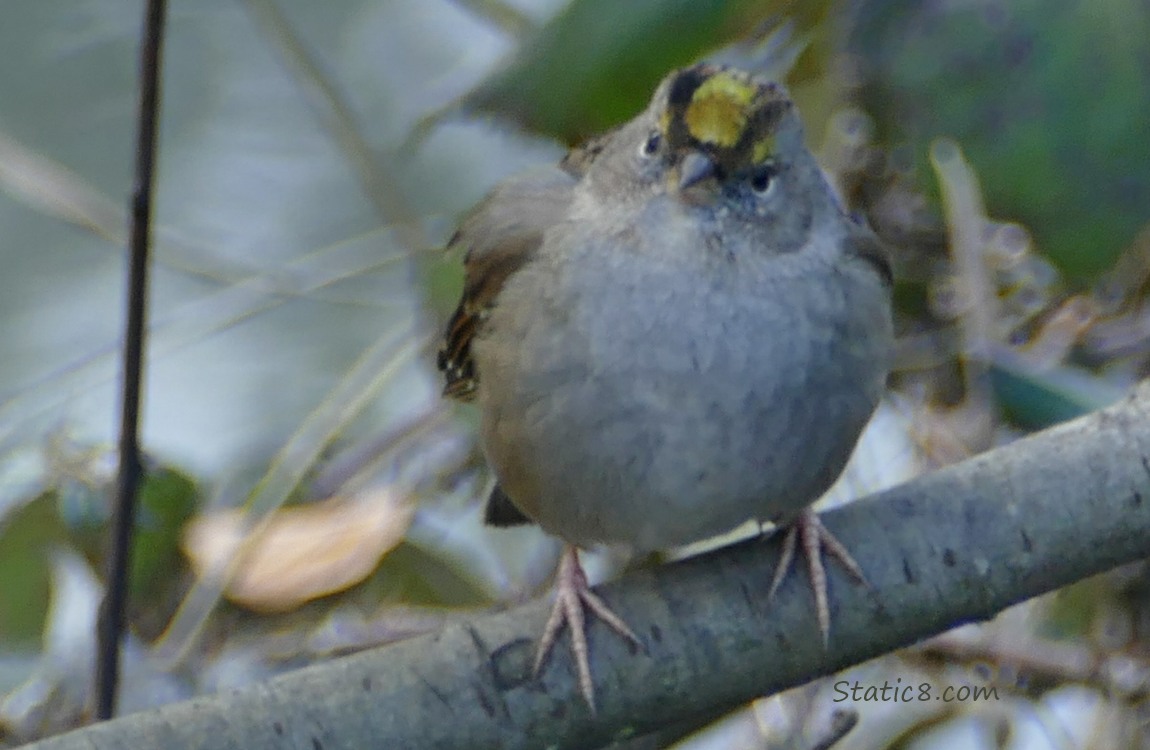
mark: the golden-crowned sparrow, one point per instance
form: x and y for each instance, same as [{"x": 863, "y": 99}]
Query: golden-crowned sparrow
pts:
[{"x": 674, "y": 331}]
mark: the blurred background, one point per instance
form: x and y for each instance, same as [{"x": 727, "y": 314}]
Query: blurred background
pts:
[{"x": 315, "y": 158}]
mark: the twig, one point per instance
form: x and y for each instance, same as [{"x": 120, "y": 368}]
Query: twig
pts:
[{"x": 111, "y": 625}]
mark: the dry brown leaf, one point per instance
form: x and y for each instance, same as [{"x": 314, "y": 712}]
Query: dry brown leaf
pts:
[{"x": 303, "y": 552}]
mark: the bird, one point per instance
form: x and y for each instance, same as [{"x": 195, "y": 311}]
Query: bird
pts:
[{"x": 675, "y": 330}]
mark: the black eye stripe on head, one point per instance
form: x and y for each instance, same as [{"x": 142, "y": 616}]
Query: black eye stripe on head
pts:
[
  {"x": 685, "y": 85},
  {"x": 762, "y": 121}
]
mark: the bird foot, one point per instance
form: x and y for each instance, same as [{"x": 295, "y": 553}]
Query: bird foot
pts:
[
  {"x": 572, "y": 598},
  {"x": 808, "y": 530}
]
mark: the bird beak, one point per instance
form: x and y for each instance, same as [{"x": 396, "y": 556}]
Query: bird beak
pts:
[{"x": 695, "y": 168}]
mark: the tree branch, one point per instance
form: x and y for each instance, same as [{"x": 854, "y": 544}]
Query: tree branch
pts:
[{"x": 951, "y": 547}]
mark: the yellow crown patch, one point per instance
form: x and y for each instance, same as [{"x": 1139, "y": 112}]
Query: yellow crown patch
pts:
[{"x": 719, "y": 109}]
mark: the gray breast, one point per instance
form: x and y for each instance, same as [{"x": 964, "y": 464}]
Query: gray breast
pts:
[{"x": 650, "y": 406}]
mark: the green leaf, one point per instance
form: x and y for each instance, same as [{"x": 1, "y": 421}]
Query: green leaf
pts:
[
  {"x": 27, "y": 538},
  {"x": 1036, "y": 398},
  {"x": 423, "y": 579},
  {"x": 167, "y": 500}
]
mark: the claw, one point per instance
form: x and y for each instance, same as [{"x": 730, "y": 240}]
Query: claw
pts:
[
  {"x": 572, "y": 598},
  {"x": 808, "y": 530}
]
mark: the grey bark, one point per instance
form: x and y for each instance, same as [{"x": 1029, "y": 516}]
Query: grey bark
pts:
[{"x": 954, "y": 546}]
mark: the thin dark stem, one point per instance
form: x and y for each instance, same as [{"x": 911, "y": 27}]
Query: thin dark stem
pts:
[{"x": 111, "y": 626}]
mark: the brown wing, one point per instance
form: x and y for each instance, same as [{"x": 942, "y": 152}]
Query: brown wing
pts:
[{"x": 500, "y": 235}]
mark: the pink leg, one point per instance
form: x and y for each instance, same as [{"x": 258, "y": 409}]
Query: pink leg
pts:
[
  {"x": 808, "y": 531},
  {"x": 572, "y": 598}
]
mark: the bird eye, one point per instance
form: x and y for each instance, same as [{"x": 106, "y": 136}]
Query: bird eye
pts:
[
  {"x": 763, "y": 178},
  {"x": 651, "y": 145}
]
